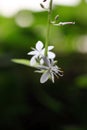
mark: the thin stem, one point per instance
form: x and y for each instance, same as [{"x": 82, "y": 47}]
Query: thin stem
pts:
[{"x": 48, "y": 27}]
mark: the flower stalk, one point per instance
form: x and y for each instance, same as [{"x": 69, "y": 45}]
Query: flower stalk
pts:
[{"x": 48, "y": 27}]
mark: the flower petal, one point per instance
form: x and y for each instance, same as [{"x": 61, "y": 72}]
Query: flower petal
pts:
[
  {"x": 39, "y": 45},
  {"x": 44, "y": 77},
  {"x": 32, "y": 53},
  {"x": 60, "y": 73},
  {"x": 41, "y": 61},
  {"x": 46, "y": 61},
  {"x": 42, "y": 67},
  {"x": 32, "y": 61},
  {"x": 52, "y": 77},
  {"x": 42, "y": 51},
  {"x": 50, "y": 48},
  {"x": 51, "y": 55}
]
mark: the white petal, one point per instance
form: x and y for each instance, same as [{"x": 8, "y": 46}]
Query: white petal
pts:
[
  {"x": 50, "y": 48},
  {"x": 44, "y": 77},
  {"x": 41, "y": 61},
  {"x": 52, "y": 77},
  {"x": 39, "y": 45},
  {"x": 42, "y": 52},
  {"x": 51, "y": 55},
  {"x": 32, "y": 53},
  {"x": 42, "y": 67},
  {"x": 32, "y": 61},
  {"x": 60, "y": 73},
  {"x": 46, "y": 61}
]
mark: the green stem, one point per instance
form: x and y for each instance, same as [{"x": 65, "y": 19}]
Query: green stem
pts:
[{"x": 48, "y": 27}]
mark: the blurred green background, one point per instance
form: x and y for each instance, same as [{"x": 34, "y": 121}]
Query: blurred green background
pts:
[{"x": 24, "y": 102}]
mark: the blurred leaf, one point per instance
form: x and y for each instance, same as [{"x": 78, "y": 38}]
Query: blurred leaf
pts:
[
  {"x": 21, "y": 61},
  {"x": 74, "y": 128},
  {"x": 81, "y": 81}
]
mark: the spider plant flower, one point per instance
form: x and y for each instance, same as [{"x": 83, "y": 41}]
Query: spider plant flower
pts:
[
  {"x": 49, "y": 70},
  {"x": 38, "y": 53}
]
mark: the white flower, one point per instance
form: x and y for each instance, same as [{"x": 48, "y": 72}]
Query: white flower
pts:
[
  {"x": 49, "y": 70},
  {"x": 38, "y": 53}
]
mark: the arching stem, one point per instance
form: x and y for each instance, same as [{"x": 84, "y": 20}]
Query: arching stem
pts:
[{"x": 48, "y": 27}]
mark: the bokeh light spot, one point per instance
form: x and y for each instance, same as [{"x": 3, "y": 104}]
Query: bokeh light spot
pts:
[{"x": 24, "y": 19}]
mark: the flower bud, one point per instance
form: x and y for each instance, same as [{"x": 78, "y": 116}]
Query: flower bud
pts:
[
  {"x": 44, "y": 0},
  {"x": 56, "y": 17},
  {"x": 42, "y": 5}
]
